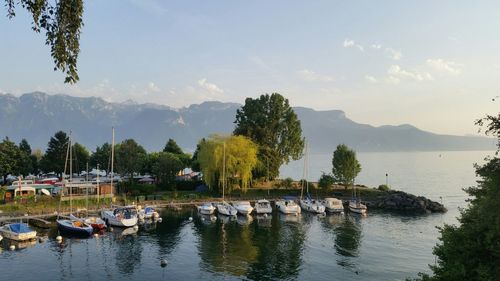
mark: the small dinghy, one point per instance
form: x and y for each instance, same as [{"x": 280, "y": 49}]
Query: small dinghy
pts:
[
  {"x": 74, "y": 227},
  {"x": 17, "y": 231}
]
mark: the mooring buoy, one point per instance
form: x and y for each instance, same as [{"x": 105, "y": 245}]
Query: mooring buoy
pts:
[{"x": 163, "y": 262}]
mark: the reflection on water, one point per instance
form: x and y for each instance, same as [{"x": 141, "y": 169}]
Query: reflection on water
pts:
[{"x": 273, "y": 247}]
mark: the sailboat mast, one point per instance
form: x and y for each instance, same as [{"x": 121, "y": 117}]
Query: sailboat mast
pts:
[
  {"x": 70, "y": 174},
  {"x": 112, "y": 156},
  {"x": 223, "y": 170}
]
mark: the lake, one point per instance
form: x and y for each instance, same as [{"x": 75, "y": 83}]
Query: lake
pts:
[{"x": 380, "y": 246}]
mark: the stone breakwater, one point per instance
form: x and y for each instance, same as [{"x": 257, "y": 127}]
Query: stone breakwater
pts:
[{"x": 401, "y": 201}]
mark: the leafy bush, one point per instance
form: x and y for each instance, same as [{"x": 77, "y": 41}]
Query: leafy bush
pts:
[
  {"x": 383, "y": 187},
  {"x": 326, "y": 181}
]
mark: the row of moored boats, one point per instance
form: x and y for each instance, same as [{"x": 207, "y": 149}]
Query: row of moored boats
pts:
[{"x": 287, "y": 205}]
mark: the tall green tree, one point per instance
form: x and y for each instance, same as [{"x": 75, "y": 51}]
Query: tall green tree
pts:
[
  {"x": 81, "y": 157},
  {"x": 101, "y": 157},
  {"x": 195, "y": 164},
  {"x": 270, "y": 122},
  {"x": 345, "y": 165},
  {"x": 61, "y": 20},
  {"x": 130, "y": 157},
  {"x": 240, "y": 159},
  {"x": 55, "y": 156},
  {"x": 172, "y": 147},
  {"x": 9, "y": 159},
  {"x": 165, "y": 166},
  {"x": 25, "y": 161},
  {"x": 471, "y": 250}
]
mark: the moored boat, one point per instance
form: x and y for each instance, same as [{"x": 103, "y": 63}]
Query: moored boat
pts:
[
  {"x": 121, "y": 216},
  {"x": 74, "y": 227},
  {"x": 288, "y": 206},
  {"x": 263, "y": 206},
  {"x": 243, "y": 207},
  {"x": 312, "y": 206},
  {"x": 226, "y": 209},
  {"x": 356, "y": 206},
  {"x": 17, "y": 231},
  {"x": 148, "y": 213},
  {"x": 333, "y": 205},
  {"x": 206, "y": 208}
]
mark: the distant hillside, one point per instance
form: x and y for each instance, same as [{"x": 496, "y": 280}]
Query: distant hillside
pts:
[{"x": 37, "y": 116}]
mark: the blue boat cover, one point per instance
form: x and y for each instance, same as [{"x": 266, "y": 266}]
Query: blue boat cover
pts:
[
  {"x": 19, "y": 228},
  {"x": 148, "y": 210},
  {"x": 289, "y": 197}
]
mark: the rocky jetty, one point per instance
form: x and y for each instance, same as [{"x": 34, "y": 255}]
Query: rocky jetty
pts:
[{"x": 393, "y": 200}]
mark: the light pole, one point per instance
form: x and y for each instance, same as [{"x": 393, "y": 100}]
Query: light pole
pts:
[{"x": 387, "y": 179}]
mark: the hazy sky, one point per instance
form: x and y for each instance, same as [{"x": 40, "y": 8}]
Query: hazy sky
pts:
[{"x": 433, "y": 64}]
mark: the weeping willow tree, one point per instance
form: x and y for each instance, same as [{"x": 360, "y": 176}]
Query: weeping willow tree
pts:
[{"x": 240, "y": 155}]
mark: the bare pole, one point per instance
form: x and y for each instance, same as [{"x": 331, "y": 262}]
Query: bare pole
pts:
[
  {"x": 98, "y": 188},
  {"x": 112, "y": 157},
  {"x": 70, "y": 174},
  {"x": 223, "y": 170}
]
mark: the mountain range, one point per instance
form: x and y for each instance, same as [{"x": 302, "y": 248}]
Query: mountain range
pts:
[{"x": 37, "y": 116}]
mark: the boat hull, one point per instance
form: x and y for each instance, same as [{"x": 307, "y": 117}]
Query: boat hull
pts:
[
  {"x": 312, "y": 207},
  {"x": 357, "y": 208},
  {"x": 18, "y": 236},
  {"x": 288, "y": 208},
  {"x": 226, "y": 210},
  {"x": 66, "y": 227},
  {"x": 112, "y": 220},
  {"x": 262, "y": 211}
]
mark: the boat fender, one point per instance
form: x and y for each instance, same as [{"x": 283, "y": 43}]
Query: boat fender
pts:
[
  {"x": 12, "y": 247},
  {"x": 163, "y": 262},
  {"x": 136, "y": 227},
  {"x": 160, "y": 219},
  {"x": 190, "y": 218},
  {"x": 59, "y": 238},
  {"x": 96, "y": 235},
  {"x": 1, "y": 238}
]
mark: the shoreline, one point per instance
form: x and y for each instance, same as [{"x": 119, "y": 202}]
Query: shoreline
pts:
[{"x": 392, "y": 201}]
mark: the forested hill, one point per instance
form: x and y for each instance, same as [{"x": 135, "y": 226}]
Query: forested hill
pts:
[{"x": 37, "y": 116}]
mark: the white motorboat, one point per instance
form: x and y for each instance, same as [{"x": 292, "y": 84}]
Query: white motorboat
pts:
[
  {"x": 263, "y": 206},
  {"x": 17, "y": 231},
  {"x": 243, "y": 207},
  {"x": 311, "y": 205},
  {"x": 333, "y": 205},
  {"x": 226, "y": 209},
  {"x": 121, "y": 216},
  {"x": 288, "y": 206},
  {"x": 206, "y": 209},
  {"x": 148, "y": 213},
  {"x": 356, "y": 206}
]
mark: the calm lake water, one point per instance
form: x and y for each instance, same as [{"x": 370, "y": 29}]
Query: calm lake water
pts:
[{"x": 379, "y": 246}]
